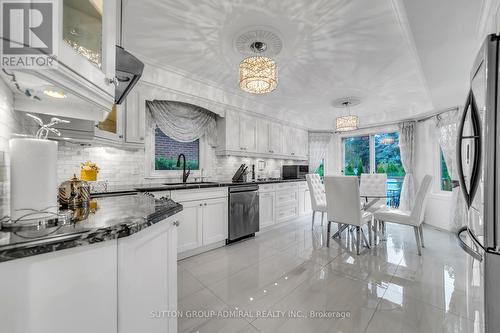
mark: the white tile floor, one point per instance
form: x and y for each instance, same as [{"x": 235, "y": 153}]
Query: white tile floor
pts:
[{"x": 386, "y": 289}]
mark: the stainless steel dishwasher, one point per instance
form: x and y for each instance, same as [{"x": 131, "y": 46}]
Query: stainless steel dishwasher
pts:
[{"x": 243, "y": 212}]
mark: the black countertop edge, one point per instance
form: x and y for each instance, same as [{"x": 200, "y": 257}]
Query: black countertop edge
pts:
[
  {"x": 188, "y": 186},
  {"x": 85, "y": 237}
]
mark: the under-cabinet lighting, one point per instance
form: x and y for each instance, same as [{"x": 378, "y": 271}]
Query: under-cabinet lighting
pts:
[{"x": 55, "y": 93}]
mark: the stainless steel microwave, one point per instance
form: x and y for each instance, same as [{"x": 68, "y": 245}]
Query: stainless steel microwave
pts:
[{"x": 294, "y": 171}]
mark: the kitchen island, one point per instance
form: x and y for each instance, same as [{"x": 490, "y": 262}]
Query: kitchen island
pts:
[{"x": 108, "y": 272}]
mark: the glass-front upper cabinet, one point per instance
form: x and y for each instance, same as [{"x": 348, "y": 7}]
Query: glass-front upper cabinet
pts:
[
  {"x": 88, "y": 40},
  {"x": 82, "y": 28},
  {"x": 111, "y": 127}
]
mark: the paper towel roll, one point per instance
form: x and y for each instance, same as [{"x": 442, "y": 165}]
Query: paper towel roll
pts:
[{"x": 33, "y": 176}]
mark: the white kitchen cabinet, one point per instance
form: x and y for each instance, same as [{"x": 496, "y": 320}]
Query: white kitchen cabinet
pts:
[
  {"x": 241, "y": 134},
  {"x": 304, "y": 199},
  {"x": 72, "y": 290},
  {"x": 203, "y": 222},
  {"x": 295, "y": 142},
  {"x": 107, "y": 287},
  {"x": 112, "y": 127},
  {"x": 190, "y": 231},
  {"x": 276, "y": 138},
  {"x": 135, "y": 118},
  {"x": 289, "y": 140},
  {"x": 267, "y": 212},
  {"x": 248, "y": 133},
  {"x": 263, "y": 136},
  {"x": 147, "y": 279},
  {"x": 287, "y": 201},
  {"x": 302, "y": 143},
  {"x": 269, "y": 137},
  {"x": 228, "y": 129},
  {"x": 86, "y": 62},
  {"x": 87, "y": 41},
  {"x": 214, "y": 220},
  {"x": 286, "y": 213}
]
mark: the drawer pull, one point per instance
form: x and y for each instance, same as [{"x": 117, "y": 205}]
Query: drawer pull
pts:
[{"x": 176, "y": 223}]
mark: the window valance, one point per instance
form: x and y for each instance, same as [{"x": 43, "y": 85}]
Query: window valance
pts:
[{"x": 182, "y": 121}]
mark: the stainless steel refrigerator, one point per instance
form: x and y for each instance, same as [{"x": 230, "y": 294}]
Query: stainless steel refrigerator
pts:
[{"x": 478, "y": 156}]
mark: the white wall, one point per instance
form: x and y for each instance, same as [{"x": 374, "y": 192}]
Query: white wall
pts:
[{"x": 428, "y": 162}]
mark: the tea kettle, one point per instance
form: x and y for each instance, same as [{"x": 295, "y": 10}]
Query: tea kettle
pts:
[{"x": 74, "y": 193}]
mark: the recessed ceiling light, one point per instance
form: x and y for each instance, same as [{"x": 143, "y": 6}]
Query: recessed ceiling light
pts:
[{"x": 59, "y": 94}]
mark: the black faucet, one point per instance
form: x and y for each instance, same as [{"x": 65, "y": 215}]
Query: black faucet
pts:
[{"x": 184, "y": 174}]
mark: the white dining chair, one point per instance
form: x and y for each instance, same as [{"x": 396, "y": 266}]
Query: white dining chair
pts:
[
  {"x": 317, "y": 193},
  {"x": 342, "y": 204},
  {"x": 413, "y": 218},
  {"x": 373, "y": 184}
]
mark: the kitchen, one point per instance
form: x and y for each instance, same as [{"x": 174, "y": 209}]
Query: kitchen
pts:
[{"x": 175, "y": 159}]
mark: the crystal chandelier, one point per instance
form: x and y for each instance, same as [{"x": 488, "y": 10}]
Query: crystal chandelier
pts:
[
  {"x": 387, "y": 141},
  {"x": 258, "y": 75},
  {"x": 348, "y": 122}
]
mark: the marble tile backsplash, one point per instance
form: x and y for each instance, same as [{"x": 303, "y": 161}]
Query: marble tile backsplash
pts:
[{"x": 122, "y": 167}]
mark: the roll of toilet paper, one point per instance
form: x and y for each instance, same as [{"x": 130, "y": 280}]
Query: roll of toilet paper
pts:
[{"x": 33, "y": 177}]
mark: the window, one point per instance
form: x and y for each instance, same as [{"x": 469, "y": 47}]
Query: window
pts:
[
  {"x": 388, "y": 161},
  {"x": 356, "y": 155},
  {"x": 379, "y": 152},
  {"x": 446, "y": 184},
  {"x": 321, "y": 169},
  {"x": 167, "y": 150}
]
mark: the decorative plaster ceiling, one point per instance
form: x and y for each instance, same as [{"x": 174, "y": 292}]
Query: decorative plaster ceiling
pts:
[{"x": 330, "y": 49}]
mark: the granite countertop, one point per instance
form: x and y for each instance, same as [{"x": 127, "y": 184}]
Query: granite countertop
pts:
[
  {"x": 131, "y": 189},
  {"x": 115, "y": 217}
]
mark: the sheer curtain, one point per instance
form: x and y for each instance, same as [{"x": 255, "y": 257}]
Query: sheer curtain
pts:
[
  {"x": 446, "y": 133},
  {"x": 182, "y": 121},
  {"x": 407, "y": 149},
  {"x": 318, "y": 145}
]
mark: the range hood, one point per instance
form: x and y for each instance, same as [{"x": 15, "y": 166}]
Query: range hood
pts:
[{"x": 128, "y": 72}]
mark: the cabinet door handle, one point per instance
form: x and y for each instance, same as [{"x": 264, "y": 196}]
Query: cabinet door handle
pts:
[
  {"x": 176, "y": 223},
  {"x": 141, "y": 138},
  {"x": 205, "y": 203},
  {"x": 113, "y": 81},
  {"x": 120, "y": 136},
  {"x": 201, "y": 204}
]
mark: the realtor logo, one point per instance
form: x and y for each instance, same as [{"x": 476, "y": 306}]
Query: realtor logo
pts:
[{"x": 28, "y": 33}]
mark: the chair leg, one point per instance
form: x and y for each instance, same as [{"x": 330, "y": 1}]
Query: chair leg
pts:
[
  {"x": 417, "y": 238},
  {"x": 340, "y": 227},
  {"x": 328, "y": 234},
  {"x": 358, "y": 240},
  {"x": 370, "y": 232},
  {"x": 367, "y": 244},
  {"x": 375, "y": 231},
  {"x": 312, "y": 223},
  {"x": 322, "y": 216},
  {"x": 421, "y": 230}
]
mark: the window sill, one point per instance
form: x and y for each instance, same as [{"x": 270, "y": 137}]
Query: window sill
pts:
[
  {"x": 443, "y": 195},
  {"x": 171, "y": 174}
]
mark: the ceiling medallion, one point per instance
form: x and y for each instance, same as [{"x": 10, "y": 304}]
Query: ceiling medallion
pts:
[
  {"x": 266, "y": 36},
  {"x": 258, "y": 74},
  {"x": 347, "y": 122}
]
